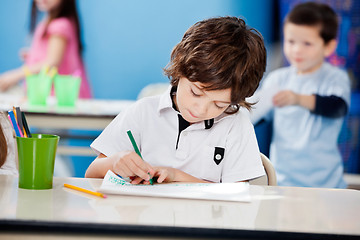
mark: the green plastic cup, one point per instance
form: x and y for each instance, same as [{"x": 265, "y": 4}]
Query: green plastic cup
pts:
[
  {"x": 38, "y": 89},
  {"x": 66, "y": 90},
  {"x": 37, "y": 160}
]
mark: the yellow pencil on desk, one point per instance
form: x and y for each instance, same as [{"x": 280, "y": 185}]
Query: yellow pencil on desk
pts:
[{"x": 85, "y": 190}]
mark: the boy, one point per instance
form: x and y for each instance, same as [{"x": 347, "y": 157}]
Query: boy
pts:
[
  {"x": 310, "y": 101},
  {"x": 193, "y": 132}
]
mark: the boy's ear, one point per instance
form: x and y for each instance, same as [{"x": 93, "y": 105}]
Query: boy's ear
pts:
[{"x": 330, "y": 47}]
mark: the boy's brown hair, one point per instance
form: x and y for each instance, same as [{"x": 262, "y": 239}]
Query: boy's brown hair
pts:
[
  {"x": 220, "y": 53},
  {"x": 315, "y": 14}
]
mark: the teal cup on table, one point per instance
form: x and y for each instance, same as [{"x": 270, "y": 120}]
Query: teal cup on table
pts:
[
  {"x": 37, "y": 160},
  {"x": 66, "y": 90},
  {"x": 38, "y": 89}
]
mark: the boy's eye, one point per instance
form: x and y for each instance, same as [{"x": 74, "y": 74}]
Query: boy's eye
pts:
[
  {"x": 195, "y": 94},
  {"x": 307, "y": 44},
  {"x": 220, "y": 107}
]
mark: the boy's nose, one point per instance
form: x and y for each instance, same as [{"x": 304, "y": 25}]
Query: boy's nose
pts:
[
  {"x": 297, "y": 48},
  {"x": 201, "y": 109}
]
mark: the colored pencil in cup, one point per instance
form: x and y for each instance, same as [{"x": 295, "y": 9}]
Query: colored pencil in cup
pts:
[
  {"x": 14, "y": 123},
  {"x": 26, "y": 127},
  {"x": 19, "y": 121}
]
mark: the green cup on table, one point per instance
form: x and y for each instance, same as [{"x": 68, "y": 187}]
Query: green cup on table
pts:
[
  {"x": 38, "y": 89},
  {"x": 37, "y": 160},
  {"x": 66, "y": 90}
]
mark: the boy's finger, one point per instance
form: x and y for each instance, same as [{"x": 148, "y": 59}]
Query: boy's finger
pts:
[
  {"x": 161, "y": 176},
  {"x": 122, "y": 170},
  {"x": 151, "y": 171},
  {"x": 136, "y": 180},
  {"x": 139, "y": 170}
]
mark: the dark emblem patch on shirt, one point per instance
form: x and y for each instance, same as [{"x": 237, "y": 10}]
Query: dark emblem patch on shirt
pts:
[{"x": 219, "y": 155}]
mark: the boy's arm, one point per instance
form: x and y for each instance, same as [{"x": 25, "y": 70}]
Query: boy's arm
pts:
[
  {"x": 125, "y": 163},
  {"x": 330, "y": 106},
  {"x": 307, "y": 101},
  {"x": 99, "y": 167},
  {"x": 327, "y": 106},
  {"x": 287, "y": 97},
  {"x": 168, "y": 174}
]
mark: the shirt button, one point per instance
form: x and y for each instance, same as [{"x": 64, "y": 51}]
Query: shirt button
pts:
[{"x": 217, "y": 156}]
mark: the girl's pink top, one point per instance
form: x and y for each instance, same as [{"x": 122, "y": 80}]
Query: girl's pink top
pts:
[{"x": 71, "y": 61}]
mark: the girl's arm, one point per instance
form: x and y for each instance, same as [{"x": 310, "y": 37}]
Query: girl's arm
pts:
[
  {"x": 55, "y": 53},
  {"x": 10, "y": 78}
]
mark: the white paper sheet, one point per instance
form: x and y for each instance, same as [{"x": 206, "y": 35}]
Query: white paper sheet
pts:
[{"x": 238, "y": 192}]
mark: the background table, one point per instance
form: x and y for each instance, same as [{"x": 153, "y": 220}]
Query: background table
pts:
[
  {"x": 88, "y": 114},
  {"x": 273, "y": 213}
]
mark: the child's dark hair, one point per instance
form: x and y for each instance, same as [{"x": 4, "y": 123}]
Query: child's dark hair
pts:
[
  {"x": 220, "y": 53},
  {"x": 3, "y": 147},
  {"x": 67, "y": 8},
  {"x": 315, "y": 14}
]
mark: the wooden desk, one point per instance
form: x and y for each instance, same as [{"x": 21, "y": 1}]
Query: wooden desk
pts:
[
  {"x": 273, "y": 213},
  {"x": 89, "y": 114}
]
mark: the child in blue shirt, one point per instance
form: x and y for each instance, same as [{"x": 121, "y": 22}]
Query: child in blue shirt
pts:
[{"x": 307, "y": 101}]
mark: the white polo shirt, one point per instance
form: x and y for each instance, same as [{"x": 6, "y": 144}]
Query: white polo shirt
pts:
[{"x": 225, "y": 151}]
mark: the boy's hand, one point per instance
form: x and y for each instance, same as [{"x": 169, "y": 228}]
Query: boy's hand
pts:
[
  {"x": 129, "y": 164},
  {"x": 285, "y": 98},
  {"x": 161, "y": 175},
  {"x": 165, "y": 174}
]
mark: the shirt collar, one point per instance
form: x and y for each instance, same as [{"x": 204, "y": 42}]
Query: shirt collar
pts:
[{"x": 165, "y": 100}]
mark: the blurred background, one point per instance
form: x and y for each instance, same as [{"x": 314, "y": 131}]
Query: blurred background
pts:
[{"x": 127, "y": 43}]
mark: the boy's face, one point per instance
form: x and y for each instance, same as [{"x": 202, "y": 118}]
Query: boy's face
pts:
[
  {"x": 303, "y": 47},
  {"x": 196, "y": 104}
]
